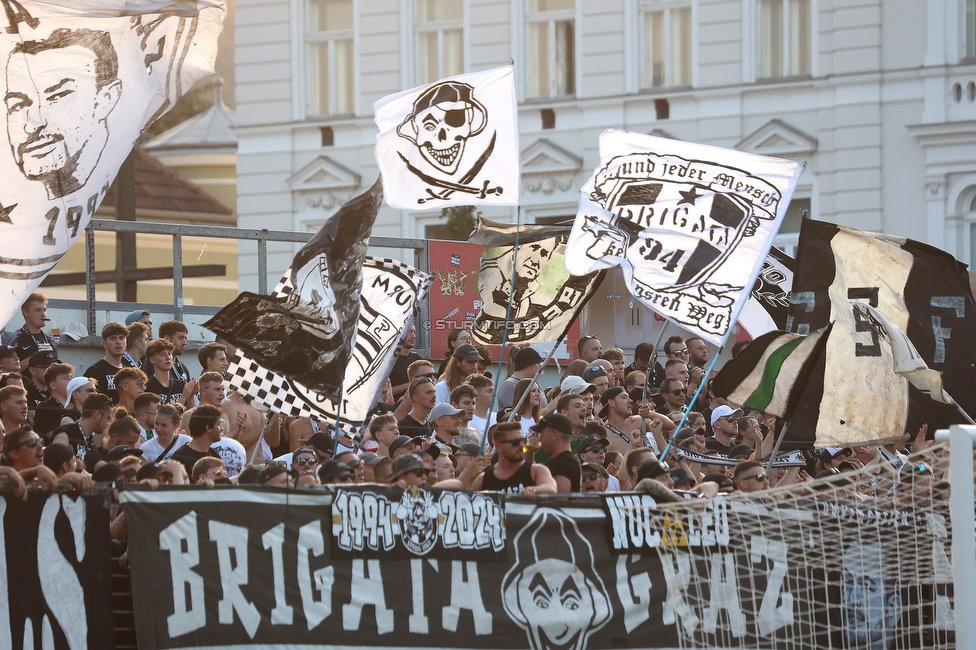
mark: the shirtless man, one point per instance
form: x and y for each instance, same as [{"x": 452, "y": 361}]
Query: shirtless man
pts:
[
  {"x": 624, "y": 429},
  {"x": 249, "y": 423}
]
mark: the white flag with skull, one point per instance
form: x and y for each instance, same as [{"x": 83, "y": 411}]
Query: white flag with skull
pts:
[
  {"x": 81, "y": 82},
  {"x": 689, "y": 224},
  {"x": 454, "y": 142}
]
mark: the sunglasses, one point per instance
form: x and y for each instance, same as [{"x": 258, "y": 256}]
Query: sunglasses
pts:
[
  {"x": 219, "y": 472},
  {"x": 427, "y": 375},
  {"x": 420, "y": 473},
  {"x": 30, "y": 442},
  {"x": 345, "y": 477},
  {"x": 354, "y": 463},
  {"x": 681, "y": 351},
  {"x": 731, "y": 419},
  {"x": 515, "y": 442},
  {"x": 426, "y": 379},
  {"x": 304, "y": 461},
  {"x": 590, "y": 477},
  {"x": 757, "y": 477},
  {"x": 676, "y": 392},
  {"x": 587, "y": 337}
]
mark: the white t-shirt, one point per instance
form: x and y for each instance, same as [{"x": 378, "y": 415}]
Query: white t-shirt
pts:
[
  {"x": 527, "y": 422},
  {"x": 479, "y": 423},
  {"x": 443, "y": 392},
  {"x": 232, "y": 453},
  {"x": 151, "y": 449},
  {"x": 613, "y": 484}
]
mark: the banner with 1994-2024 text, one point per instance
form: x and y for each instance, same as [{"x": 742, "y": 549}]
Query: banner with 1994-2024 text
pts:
[{"x": 383, "y": 567}]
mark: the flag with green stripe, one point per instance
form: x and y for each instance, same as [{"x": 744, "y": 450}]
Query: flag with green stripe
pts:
[{"x": 765, "y": 375}]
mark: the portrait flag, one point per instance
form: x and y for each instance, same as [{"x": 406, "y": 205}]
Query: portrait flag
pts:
[
  {"x": 545, "y": 298},
  {"x": 306, "y": 329},
  {"x": 768, "y": 305},
  {"x": 453, "y": 142},
  {"x": 99, "y": 72},
  {"x": 690, "y": 225},
  {"x": 920, "y": 290},
  {"x": 392, "y": 292}
]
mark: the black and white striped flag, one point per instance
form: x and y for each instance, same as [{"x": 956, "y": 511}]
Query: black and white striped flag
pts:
[
  {"x": 390, "y": 295},
  {"x": 854, "y": 396}
]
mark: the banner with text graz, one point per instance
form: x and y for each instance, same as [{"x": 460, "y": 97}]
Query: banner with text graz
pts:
[
  {"x": 55, "y": 572},
  {"x": 254, "y": 568}
]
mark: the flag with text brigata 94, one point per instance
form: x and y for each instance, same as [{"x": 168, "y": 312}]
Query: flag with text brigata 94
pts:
[{"x": 689, "y": 224}]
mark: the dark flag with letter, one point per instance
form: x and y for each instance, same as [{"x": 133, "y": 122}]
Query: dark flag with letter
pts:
[
  {"x": 83, "y": 80},
  {"x": 545, "y": 298},
  {"x": 389, "y": 299},
  {"x": 306, "y": 331},
  {"x": 855, "y": 396},
  {"x": 768, "y": 306}
]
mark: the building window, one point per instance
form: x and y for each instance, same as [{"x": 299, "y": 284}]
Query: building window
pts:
[
  {"x": 440, "y": 39},
  {"x": 784, "y": 38},
  {"x": 551, "y": 47},
  {"x": 330, "y": 57},
  {"x": 666, "y": 39}
]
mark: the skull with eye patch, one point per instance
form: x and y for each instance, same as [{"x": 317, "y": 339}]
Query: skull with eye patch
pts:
[{"x": 443, "y": 118}]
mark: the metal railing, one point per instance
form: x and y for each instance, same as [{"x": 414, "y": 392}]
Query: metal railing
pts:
[{"x": 179, "y": 231}]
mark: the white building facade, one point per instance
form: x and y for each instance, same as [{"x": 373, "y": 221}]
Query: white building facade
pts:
[{"x": 877, "y": 97}]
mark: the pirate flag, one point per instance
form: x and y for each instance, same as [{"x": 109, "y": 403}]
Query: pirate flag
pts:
[
  {"x": 689, "y": 224},
  {"x": 454, "y": 142},
  {"x": 307, "y": 331},
  {"x": 391, "y": 294},
  {"x": 82, "y": 80},
  {"x": 545, "y": 298}
]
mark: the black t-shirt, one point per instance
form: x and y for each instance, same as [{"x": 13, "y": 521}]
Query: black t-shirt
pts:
[
  {"x": 178, "y": 371},
  {"x": 568, "y": 466},
  {"x": 410, "y": 427},
  {"x": 398, "y": 375},
  {"x": 189, "y": 456},
  {"x": 167, "y": 395},
  {"x": 27, "y": 343},
  {"x": 47, "y": 416},
  {"x": 514, "y": 484},
  {"x": 34, "y": 397},
  {"x": 85, "y": 449},
  {"x": 104, "y": 375},
  {"x": 711, "y": 444}
]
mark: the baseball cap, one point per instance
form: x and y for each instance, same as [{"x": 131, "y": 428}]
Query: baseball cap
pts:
[
  {"x": 119, "y": 452},
  {"x": 723, "y": 411},
  {"x": 525, "y": 357},
  {"x": 369, "y": 458},
  {"x": 248, "y": 475},
  {"x": 598, "y": 468},
  {"x": 611, "y": 393},
  {"x": 467, "y": 352},
  {"x": 7, "y": 351},
  {"x": 433, "y": 450},
  {"x": 591, "y": 441},
  {"x": 651, "y": 469},
  {"x": 269, "y": 473},
  {"x": 132, "y": 317},
  {"x": 441, "y": 410},
  {"x": 42, "y": 359},
  {"x": 321, "y": 441},
  {"x": 722, "y": 480},
  {"x": 399, "y": 441},
  {"x": 150, "y": 470},
  {"x": 471, "y": 448},
  {"x": 56, "y": 455},
  {"x": 593, "y": 372},
  {"x": 404, "y": 464},
  {"x": 684, "y": 434},
  {"x": 681, "y": 477},
  {"x": 575, "y": 384},
  {"x": 74, "y": 330},
  {"x": 555, "y": 421},
  {"x": 741, "y": 451},
  {"x": 331, "y": 469}
]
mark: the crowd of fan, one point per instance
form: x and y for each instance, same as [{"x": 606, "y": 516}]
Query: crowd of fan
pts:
[{"x": 140, "y": 415}]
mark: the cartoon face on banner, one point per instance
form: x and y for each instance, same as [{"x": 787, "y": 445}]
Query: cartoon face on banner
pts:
[
  {"x": 454, "y": 142},
  {"x": 78, "y": 91},
  {"x": 417, "y": 516},
  {"x": 553, "y": 592}
]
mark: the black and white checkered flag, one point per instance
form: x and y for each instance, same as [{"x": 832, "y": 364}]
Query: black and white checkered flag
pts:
[{"x": 391, "y": 292}]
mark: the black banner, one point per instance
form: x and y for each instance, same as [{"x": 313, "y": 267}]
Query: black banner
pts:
[
  {"x": 395, "y": 524},
  {"x": 56, "y": 572},
  {"x": 254, "y": 568}
]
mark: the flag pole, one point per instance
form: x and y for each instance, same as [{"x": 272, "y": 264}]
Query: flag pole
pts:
[
  {"x": 772, "y": 454},
  {"x": 684, "y": 416},
  {"x": 959, "y": 408},
  {"x": 264, "y": 430},
  {"x": 647, "y": 374},
  {"x": 538, "y": 373},
  {"x": 508, "y": 316}
]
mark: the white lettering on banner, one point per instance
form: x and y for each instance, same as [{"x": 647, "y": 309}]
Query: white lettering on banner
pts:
[
  {"x": 310, "y": 539},
  {"x": 724, "y": 594},
  {"x": 370, "y": 521},
  {"x": 232, "y": 578},
  {"x": 418, "y": 619},
  {"x": 274, "y": 540},
  {"x": 636, "y": 524},
  {"x": 466, "y": 594},
  {"x": 181, "y": 564},
  {"x": 634, "y": 593},
  {"x": 772, "y": 617},
  {"x": 367, "y": 590},
  {"x": 678, "y": 579},
  {"x": 59, "y": 583}
]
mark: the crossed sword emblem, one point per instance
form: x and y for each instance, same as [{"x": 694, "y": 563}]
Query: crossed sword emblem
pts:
[{"x": 448, "y": 188}]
